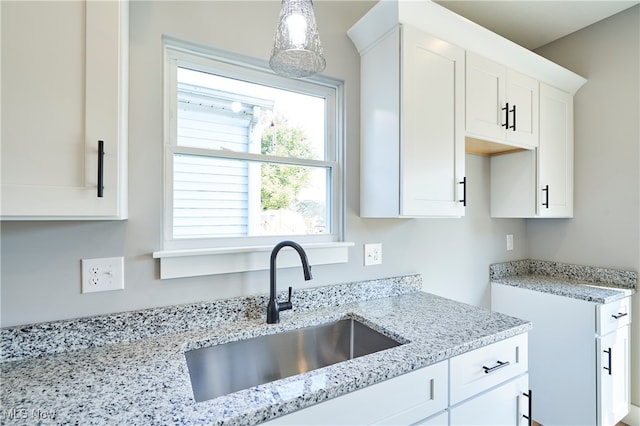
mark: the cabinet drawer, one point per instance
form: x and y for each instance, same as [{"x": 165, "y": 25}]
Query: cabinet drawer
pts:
[
  {"x": 478, "y": 370},
  {"x": 613, "y": 315}
]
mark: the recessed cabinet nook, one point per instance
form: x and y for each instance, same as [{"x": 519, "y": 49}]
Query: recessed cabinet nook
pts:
[
  {"x": 434, "y": 86},
  {"x": 64, "y": 115}
]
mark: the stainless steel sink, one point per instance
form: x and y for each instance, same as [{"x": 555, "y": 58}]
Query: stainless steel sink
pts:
[{"x": 230, "y": 367}]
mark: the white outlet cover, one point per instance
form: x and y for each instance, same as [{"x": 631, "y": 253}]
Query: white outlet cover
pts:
[
  {"x": 103, "y": 274},
  {"x": 372, "y": 254}
]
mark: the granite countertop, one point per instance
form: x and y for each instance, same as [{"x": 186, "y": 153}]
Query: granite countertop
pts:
[
  {"x": 137, "y": 377},
  {"x": 598, "y": 285}
]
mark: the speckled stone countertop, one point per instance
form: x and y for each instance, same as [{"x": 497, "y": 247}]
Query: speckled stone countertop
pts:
[
  {"x": 593, "y": 284},
  {"x": 131, "y": 377}
]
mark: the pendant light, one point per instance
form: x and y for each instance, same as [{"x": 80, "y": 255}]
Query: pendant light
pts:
[{"x": 297, "y": 51}]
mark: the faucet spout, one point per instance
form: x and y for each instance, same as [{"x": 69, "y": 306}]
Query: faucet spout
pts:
[{"x": 274, "y": 307}]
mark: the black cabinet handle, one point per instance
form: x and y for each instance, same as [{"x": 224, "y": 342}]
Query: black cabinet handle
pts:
[
  {"x": 498, "y": 366},
  {"x": 100, "y": 169},
  {"x": 513, "y": 126},
  {"x": 620, "y": 315},
  {"x": 546, "y": 189},
  {"x": 530, "y": 416},
  {"x": 609, "y": 354},
  {"x": 463, "y": 182},
  {"x": 506, "y": 116}
]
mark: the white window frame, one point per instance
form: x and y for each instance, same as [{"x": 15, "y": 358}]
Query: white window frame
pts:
[{"x": 192, "y": 257}]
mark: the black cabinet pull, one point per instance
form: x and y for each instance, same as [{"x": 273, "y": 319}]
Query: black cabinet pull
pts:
[
  {"x": 463, "y": 182},
  {"x": 100, "y": 169},
  {"x": 529, "y": 417},
  {"x": 498, "y": 366},
  {"x": 546, "y": 189},
  {"x": 506, "y": 115},
  {"x": 513, "y": 126},
  {"x": 620, "y": 315},
  {"x": 610, "y": 366}
]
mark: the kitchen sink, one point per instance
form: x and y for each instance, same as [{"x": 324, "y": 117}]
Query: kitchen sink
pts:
[{"x": 222, "y": 369}]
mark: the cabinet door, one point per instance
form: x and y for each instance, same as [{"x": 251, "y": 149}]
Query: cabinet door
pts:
[
  {"x": 504, "y": 405},
  {"x": 613, "y": 376},
  {"x": 523, "y": 97},
  {"x": 555, "y": 155},
  {"x": 404, "y": 399},
  {"x": 432, "y": 140},
  {"x": 485, "y": 98},
  {"x": 64, "y": 80}
]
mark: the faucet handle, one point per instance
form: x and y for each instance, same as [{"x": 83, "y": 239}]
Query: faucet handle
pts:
[{"x": 284, "y": 306}]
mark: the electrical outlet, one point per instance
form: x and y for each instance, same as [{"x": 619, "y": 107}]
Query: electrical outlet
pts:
[
  {"x": 509, "y": 242},
  {"x": 372, "y": 254},
  {"x": 104, "y": 274}
]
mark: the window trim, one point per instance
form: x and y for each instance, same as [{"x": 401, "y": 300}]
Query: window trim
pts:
[{"x": 192, "y": 257}]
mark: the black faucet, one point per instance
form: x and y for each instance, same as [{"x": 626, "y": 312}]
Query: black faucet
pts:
[{"x": 274, "y": 307}]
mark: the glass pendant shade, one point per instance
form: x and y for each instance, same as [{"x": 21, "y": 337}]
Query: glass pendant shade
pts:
[{"x": 297, "y": 51}]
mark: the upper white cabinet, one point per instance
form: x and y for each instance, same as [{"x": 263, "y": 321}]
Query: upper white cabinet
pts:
[
  {"x": 501, "y": 103},
  {"x": 412, "y": 134},
  {"x": 555, "y": 155},
  {"x": 64, "y": 89},
  {"x": 539, "y": 183}
]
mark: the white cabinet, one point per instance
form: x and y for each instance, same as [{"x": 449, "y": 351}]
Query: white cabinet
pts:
[
  {"x": 412, "y": 134},
  {"x": 486, "y": 386},
  {"x": 501, "y": 104},
  {"x": 406, "y": 399},
  {"x": 569, "y": 361},
  {"x": 490, "y": 386},
  {"x": 504, "y": 405},
  {"x": 64, "y": 88},
  {"x": 539, "y": 183}
]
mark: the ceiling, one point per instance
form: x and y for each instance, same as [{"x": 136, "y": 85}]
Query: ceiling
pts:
[{"x": 532, "y": 23}]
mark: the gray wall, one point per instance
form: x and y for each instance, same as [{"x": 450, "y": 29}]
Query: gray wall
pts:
[
  {"x": 605, "y": 230},
  {"x": 41, "y": 260}
]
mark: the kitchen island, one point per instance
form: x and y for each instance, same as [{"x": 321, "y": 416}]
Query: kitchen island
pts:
[{"x": 130, "y": 368}]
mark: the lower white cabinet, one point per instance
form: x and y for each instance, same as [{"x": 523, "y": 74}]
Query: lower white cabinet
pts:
[
  {"x": 405, "y": 399},
  {"x": 578, "y": 358},
  {"x": 507, "y": 404},
  {"x": 486, "y": 386}
]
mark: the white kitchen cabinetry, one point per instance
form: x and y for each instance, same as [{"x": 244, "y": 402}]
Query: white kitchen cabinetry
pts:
[
  {"x": 412, "y": 112},
  {"x": 506, "y": 404},
  {"x": 489, "y": 386},
  {"x": 486, "y": 386},
  {"x": 501, "y": 103},
  {"x": 570, "y": 373},
  {"x": 539, "y": 183},
  {"x": 405, "y": 399},
  {"x": 64, "y": 88}
]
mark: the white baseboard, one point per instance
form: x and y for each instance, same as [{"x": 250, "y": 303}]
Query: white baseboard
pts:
[{"x": 633, "y": 418}]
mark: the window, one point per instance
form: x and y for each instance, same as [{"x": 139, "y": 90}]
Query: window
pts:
[{"x": 251, "y": 158}]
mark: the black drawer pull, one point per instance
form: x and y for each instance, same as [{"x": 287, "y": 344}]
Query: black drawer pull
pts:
[
  {"x": 100, "y": 169},
  {"x": 529, "y": 417},
  {"x": 620, "y": 315},
  {"x": 506, "y": 116},
  {"x": 498, "y": 366},
  {"x": 610, "y": 367},
  {"x": 546, "y": 203},
  {"x": 463, "y": 182}
]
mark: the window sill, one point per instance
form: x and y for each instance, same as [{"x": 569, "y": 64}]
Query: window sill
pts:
[{"x": 198, "y": 262}]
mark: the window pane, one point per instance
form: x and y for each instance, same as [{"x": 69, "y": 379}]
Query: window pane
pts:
[
  {"x": 216, "y": 197},
  {"x": 217, "y": 112}
]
